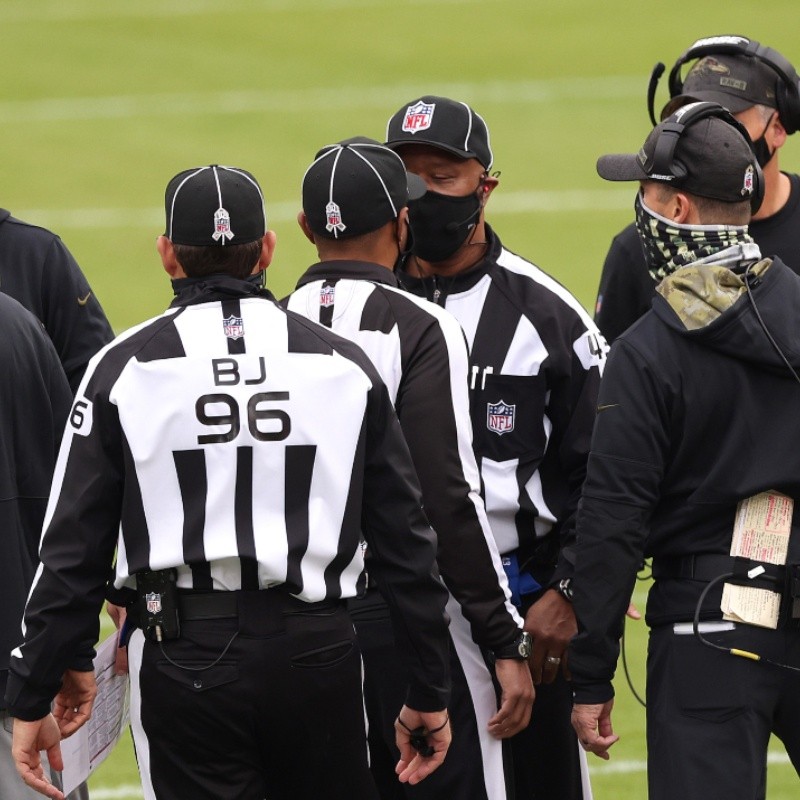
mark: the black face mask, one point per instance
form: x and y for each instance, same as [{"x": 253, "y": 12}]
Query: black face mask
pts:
[
  {"x": 441, "y": 223},
  {"x": 761, "y": 148}
]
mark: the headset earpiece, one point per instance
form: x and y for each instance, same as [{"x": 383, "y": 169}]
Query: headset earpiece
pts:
[
  {"x": 664, "y": 164},
  {"x": 787, "y": 96}
]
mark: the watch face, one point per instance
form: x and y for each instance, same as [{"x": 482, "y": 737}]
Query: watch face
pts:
[{"x": 525, "y": 645}]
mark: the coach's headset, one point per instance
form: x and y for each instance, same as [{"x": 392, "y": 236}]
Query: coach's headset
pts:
[
  {"x": 787, "y": 91},
  {"x": 663, "y": 161}
]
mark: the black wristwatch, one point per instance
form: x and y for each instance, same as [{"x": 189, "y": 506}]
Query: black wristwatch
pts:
[
  {"x": 564, "y": 588},
  {"x": 520, "y": 648}
]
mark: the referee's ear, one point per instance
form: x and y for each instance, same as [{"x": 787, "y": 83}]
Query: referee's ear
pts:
[
  {"x": 167, "y": 253},
  {"x": 302, "y": 221},
  {"x": 267, "y": 252}
]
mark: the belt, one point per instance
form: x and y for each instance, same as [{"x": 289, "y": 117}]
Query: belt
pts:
[
  {"x": 707, "y": 566},
  {"x": 207, "y": 605},
  {"x": 194, "y": 605}
]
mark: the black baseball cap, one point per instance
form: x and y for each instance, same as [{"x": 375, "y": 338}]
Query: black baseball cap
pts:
[
  {"x": 356, "y": 186},
  {"x": 736, "y": 82},
  {"x": 214, "y": 206},
  {"x": 711, "y": 157},
  {"x": 444, "y": 123}
]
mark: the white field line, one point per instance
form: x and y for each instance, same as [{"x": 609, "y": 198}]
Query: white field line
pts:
[
  {"x": 562, "y": 91},
  {"x": 627, "y": 767},
  {"x": 134, "y": 792},
  {"x": 57, "y": 10},
  {"x": 521, "y": 202}
]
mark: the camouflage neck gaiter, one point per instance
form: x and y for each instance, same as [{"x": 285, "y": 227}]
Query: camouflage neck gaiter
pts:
[{"x": 669, "y": 246}]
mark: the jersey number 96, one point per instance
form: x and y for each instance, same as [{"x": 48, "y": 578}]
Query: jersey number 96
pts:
[{"x": 208, "y": 412}]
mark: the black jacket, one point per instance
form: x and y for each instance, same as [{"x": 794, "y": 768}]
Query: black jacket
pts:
[
  {"x": 38, "y": 271},
  {"x": 690, "y": 421},
  {"x": 34, "y": 403}
]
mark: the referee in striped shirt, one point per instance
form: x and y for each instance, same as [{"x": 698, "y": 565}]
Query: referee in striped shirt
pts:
[
  {"x": 354, "y": 211},
  {"x": 222, "y": 460}
]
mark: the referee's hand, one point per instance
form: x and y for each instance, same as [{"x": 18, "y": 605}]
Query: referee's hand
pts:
[{"x": 413, "y": 766}]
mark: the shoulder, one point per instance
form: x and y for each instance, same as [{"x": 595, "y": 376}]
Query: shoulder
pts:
[
  {"x": 531, "y": 289},
  {"x": 15, "y": 231}
]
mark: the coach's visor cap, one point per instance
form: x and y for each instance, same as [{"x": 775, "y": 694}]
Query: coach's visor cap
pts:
[
  {"x": 356, "y": 186},
  {"x": 214, "y": 206},
  {"x": 736, "y": 82},
  {"x": 441, "y": 122},
  {"x": 711, "y": 158}
]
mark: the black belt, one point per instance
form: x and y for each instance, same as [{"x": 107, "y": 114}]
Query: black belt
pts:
[
  {"x": 194, "y": 605},
  {"x": 207, "y": 605},
  {"x": 707, "y": 566}
]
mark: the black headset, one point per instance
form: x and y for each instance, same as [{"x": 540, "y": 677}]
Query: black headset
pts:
[
  {"x": 787, "y": 93},
  {"x": 663, "y": 161}
]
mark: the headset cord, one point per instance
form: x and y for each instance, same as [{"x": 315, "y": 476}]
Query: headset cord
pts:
[
  {"x": 206, "y": 666},
  {"x": 623, "y": 650},
  {"x": 749, "y": 279},
  {"x": 734, "y": 651}
]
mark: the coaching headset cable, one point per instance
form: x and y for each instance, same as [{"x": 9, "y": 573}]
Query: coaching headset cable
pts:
[
  {"x": 646, "y": 564},
  {"x": 751, "y": 281},
  {"x": 734, "y": 651}
]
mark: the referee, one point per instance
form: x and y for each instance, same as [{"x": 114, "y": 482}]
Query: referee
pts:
[
  {"x": 224, "y": 459},
  {"x": 354, "y": 211}
]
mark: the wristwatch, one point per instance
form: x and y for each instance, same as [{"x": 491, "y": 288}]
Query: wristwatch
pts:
[
  {"x": 520, "y": 648},
  {"x": 564, "y": 588}
]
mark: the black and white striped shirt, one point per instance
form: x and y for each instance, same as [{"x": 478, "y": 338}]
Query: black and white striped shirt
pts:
[
  {"x": 535, "y": 364},
  {"x": 248, "y": 448},
  {"x": 420, "y": 352}
]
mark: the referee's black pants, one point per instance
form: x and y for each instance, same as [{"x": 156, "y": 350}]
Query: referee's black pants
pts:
[
  {"x": 710, "y": 714},
  {"x": 473, "y": 752},
  {"x": 280, "y": 715}
]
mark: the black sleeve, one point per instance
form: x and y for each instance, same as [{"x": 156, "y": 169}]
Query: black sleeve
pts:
[
  {"x": 77, "y": 550},
  {"x": 433, "y": 406},
  {"x": 626, "y": 287},
  {"x": 626, "y": 465},
  {"x": 72, "y": 313},
  {"x": 572, "y": 407},
  {"x": 403, "y": 556}
]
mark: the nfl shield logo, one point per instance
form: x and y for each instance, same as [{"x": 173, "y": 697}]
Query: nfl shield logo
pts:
[
  {"x": 326, "y": 296},
  {"x": 222, "y": 226},
  {"x": 153, "y": 602},
  {"x": 500, "y": 417},
  {"x": 233, "y": 327},
  {"x": 418, "y": 117},
  {"x": 748, "y": 185},
  {"x": 334, "y": 215}
]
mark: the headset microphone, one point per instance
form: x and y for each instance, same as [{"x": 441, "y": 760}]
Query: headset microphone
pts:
[
  {"x": 454, "y": 226},
  {"x": 655, "y": 76}
]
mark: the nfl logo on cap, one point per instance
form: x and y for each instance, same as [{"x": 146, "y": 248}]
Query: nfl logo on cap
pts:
[
  {"x": 747, "y": 187},
  {"x": 500, "y": 417},
  {"x": 418, "y": 117},
  {"x": 334, "y": 215},
  {"x": 222, "y": 226}
]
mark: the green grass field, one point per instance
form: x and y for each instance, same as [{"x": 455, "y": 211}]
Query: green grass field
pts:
[{"x": 104, "y": 100}]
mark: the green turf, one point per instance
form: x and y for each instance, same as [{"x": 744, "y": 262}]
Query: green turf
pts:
[{"x": 104, "y": 100}]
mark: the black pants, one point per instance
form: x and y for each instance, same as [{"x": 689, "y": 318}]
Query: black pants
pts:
[
  {"x": 463, "y": 775},
  {"x": 279, "y": 715},
  {"x": 710, "y": 714},
  {"x": 546, "y": 755}
]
